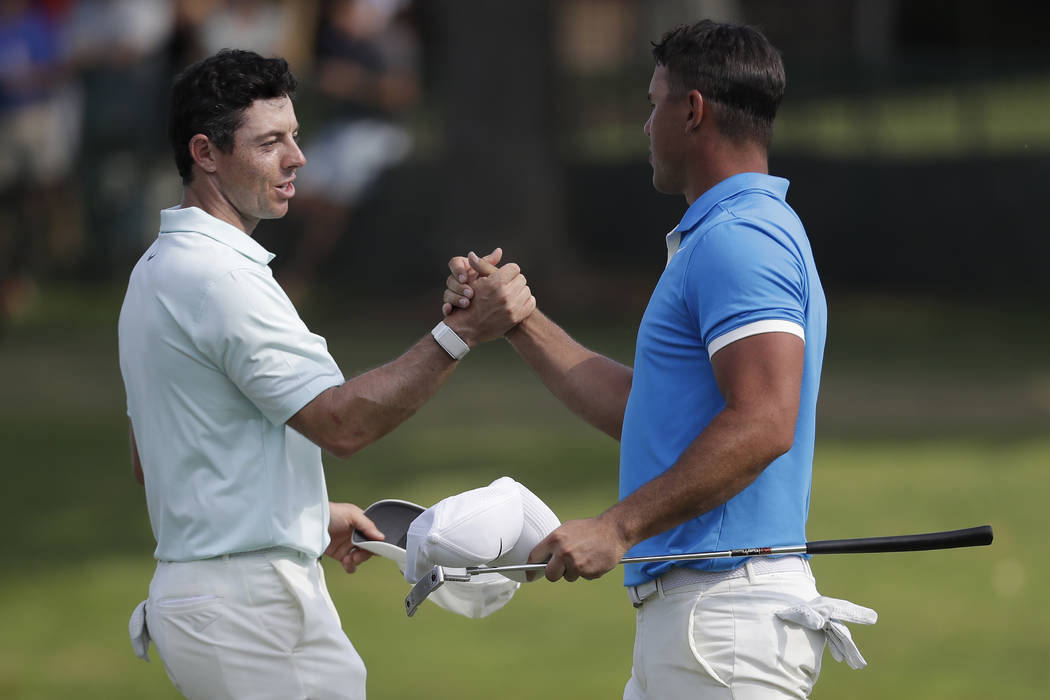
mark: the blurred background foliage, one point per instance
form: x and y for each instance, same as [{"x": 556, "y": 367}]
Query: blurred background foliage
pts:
[
  {"x": 914, "y": 133},
  {"x": 915, "y": 136}
]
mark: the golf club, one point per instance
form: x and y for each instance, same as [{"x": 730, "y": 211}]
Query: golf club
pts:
[{"x": 968, "y": 537}]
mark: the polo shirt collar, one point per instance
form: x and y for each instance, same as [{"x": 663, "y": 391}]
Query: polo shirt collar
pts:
[
  {"x": 725, "y": 189},
  {"x": 196, "y": 220}
]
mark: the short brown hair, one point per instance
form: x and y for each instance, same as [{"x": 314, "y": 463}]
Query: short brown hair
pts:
[
  {"x": 733, "y": 66},
  {"x": 210, "y": 98}
]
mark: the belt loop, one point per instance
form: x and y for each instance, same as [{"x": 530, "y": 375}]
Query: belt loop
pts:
[
  {"x": 750, "y": 571},
  {"x": 660, "y": 587}
]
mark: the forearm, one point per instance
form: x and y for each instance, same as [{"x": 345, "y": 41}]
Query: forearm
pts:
[
  {"x": 346, "y": 418},
  {"x": 725, "y": 458},
  {"x": 355, "y": 414},
  {"x": 760, "y": 378},
  {"x": 591, "y": 385}
]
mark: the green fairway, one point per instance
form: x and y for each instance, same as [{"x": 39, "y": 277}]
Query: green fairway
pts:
[{"x": 923, "y": 427}]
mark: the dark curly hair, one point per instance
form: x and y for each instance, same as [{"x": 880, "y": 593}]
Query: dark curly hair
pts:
[
  {"x": 734, "y": 67},
  {"x": 210, "y": 96}
]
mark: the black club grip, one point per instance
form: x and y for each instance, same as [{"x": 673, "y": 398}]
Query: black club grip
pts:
[{"x": 969, "y": 537}]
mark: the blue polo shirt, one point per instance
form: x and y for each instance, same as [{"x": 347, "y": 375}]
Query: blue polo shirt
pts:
[{"x": 742, "y": 266}]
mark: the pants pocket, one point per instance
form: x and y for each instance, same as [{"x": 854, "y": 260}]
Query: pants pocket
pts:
[
  {"x": 188, "y": 638},
  {"x": 191, "y": 614},
  {"x": 711, "y": 637},
  {"x": 186, "y": 603}
]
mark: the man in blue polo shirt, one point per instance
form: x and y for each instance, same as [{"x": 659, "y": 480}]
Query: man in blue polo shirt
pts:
[{"x": 716, "y": 419}]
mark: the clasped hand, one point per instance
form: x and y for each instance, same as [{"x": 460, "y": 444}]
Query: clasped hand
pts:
[{"x": 478, "y": 285}]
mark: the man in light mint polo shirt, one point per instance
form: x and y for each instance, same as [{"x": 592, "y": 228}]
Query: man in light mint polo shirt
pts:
[
  {"x": 716, "y": 419},
  {"x": 231, "y": 399}
]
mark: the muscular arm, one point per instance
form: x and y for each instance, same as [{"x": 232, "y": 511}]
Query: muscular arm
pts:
[
  {"x": 760, "y": 378},
  {"x": 591, "y": 385},
  {"x": 346, "y": 418}
]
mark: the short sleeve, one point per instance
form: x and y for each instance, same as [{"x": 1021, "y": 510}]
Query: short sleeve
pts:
[
  {"x": 247, "y": 326},
  {"x": 741, "y": 280}
]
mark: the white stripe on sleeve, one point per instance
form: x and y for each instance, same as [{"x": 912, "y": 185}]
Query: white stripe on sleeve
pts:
[{"x": 769, "y": 326}]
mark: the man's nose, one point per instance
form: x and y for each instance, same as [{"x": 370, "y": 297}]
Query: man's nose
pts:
[{"x": 298, "y": 158}]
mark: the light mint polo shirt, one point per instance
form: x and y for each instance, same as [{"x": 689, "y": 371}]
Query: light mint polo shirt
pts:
[{"x": 215, "y": 360}]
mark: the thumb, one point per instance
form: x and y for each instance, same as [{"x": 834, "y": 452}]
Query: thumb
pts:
[
  {"x": 540, "y": 554},
  {"x": 368, "y": 528},
  {"x": 483, "y": 266},
  {"x": 494, "y": 257}
]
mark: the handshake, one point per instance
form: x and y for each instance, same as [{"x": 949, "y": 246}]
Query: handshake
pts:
[{"x": 482, "y": 301}]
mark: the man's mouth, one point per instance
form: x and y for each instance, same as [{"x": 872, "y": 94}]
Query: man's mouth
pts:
[{"x": 287, "y": 189}]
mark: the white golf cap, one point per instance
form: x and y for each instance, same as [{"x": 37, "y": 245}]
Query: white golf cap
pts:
[
  {"x": 392, "y": 517},
  {"x": 481, "y": 596},
  {"x": 497, "y": 524},
  {"x": 538, "y": 521}
]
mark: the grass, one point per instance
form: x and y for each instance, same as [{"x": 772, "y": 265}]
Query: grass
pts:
[{"x": 927, "y": 428}]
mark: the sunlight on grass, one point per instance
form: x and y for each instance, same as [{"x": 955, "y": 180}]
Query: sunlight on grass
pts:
[
  {"x": 909, "y": 442},
  {"x": 65, "y": 625}
]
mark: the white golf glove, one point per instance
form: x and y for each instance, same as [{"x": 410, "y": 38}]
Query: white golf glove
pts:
[{"x": 829, "y": 614}]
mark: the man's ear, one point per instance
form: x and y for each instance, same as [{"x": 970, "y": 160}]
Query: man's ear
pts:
[
  {"x": 696, "y": 110},
  {"x": 202, "y": 150}
]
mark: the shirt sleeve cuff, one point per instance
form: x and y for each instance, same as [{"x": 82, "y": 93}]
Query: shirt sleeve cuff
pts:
[
  {"x": 307, "y": 393},
  {"x": 766, "y": 326}
]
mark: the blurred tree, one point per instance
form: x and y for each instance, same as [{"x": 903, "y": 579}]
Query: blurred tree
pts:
[{"x": 495, "y": 81}]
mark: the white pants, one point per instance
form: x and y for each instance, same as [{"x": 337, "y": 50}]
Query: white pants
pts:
[
  {"x": 723, "y": 641},
  {"x": 259, "y": 625}
]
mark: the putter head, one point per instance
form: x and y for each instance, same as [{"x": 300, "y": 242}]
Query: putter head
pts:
[{"x": 426, "y": 585}]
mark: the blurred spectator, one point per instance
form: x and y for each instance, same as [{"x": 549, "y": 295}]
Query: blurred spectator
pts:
[
  {"x": 120, "y": 50},
  {"x": 366, "y": 79},
  {"x": 39, "y": 120},
  {"x": 185, "y": 45},
  {"x": 268, "y": 27}
]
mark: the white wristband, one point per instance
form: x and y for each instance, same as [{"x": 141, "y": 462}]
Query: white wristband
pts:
[{"x": 452, "y": 343}]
